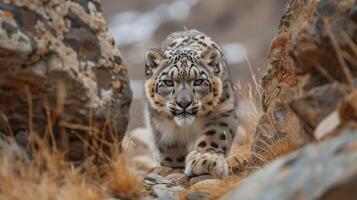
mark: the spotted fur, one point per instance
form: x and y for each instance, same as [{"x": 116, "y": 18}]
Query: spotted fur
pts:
[{"x": 191, "y": 103}]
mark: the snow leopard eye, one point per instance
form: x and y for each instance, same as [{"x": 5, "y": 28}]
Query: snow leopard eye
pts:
[
  {"x": 169, "y": 83},
  {"x": 198, "y": 82}
]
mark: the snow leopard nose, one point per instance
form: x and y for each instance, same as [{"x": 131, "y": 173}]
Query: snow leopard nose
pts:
[
  {"x": 184, "y": 104},
  {"x": 184, "y": 99}
]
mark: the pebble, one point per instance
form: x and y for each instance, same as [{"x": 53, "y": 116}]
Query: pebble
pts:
[
  {"x": 153, "y": 179},
  {"x": 162, "y": 171},
  {"x": 197, "y": 195},
  {"x": 167, "y": 192},
  {"x": 179, "y": 178},
  {"x": 197, "y": 179},
  {"x": 207, "y": 183}
]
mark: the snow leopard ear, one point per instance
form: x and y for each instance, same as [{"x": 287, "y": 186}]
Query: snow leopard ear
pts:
[
  {"x": 153, "y": 58},
  {"x": 212, "y": 57}
]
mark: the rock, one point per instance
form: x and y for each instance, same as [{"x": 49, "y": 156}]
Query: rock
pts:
[
  {"x": 327, "y": 125},
  {"x": 167, "y": 193},
  {"x": 309, "y": 96},
  {"x": 60, "y": 68},
  {"x": 177, "y": 170},
  {"x": 328, "y": 35},
  {"x": 154, "y": 179},
  {"x": 312, "y": 68},
  {"x": 318, "y": 103},
  {"x": 280, "y": 85},
  {"x": 176, "y": 176},
  {"x": 12, "y": 151},
  {"x": 197, "y": 179},
  {"x": 197, "y": 195},
  {"x": 162, "y": 187},
  {"x": 318, "y": 171},
  {"x": 207, "y": 183},
  {"x": 344, "y": 117},
  {"x": 179, "y": 178},
  {"x": 162, "y": 170}
]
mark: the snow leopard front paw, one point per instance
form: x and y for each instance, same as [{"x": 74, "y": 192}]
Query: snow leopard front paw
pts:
[{"x": 207, "y": 162}]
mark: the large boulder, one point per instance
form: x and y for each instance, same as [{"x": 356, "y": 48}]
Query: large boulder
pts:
[
  {"x": 325, "y": 54},
  {"x": 61, "y": 74},
  {"x": 312, "y": 66},
  {"x": 280, "y": 85},
  {"x": 324, "y": 171}
]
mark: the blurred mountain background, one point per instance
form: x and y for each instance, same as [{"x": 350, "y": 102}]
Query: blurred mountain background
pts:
[{"x": 244, "y": 29}]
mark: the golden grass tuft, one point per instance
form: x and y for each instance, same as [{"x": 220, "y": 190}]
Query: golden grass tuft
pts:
[
  {"x": 29, "y": 180},
  {"x": 279, "y": 149},
  {"x": 123, "y": 181},
  {"x": 48, "y": 176}
]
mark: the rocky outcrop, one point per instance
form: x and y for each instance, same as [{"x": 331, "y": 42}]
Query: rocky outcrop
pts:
[
  {"x": 313, "y": 66},
  {"x": 309, "y": 96},
  {"x": 61, "y": 74},
  {"x": 325, "y": 57},
  {"x": 280, "y": 85},
  {"x": 324, "y": 171}
]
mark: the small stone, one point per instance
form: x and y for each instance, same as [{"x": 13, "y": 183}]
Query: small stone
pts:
[
  {"x": 178, "y": 178},
  {"x": 166, "y": 192},
  {"x": 197, "y": 195},
  {"x": 327, "y": 125},
  {"x": 162, "y": 170},
  {"x": 153, "y": 179},
  {"x": 177, "y": 170},
  {"x": 197, "y": 179},
  {"x": 207, "y": 183},
  {"x": 22, "y": 139},
  {"x": 175, "y": 176}
]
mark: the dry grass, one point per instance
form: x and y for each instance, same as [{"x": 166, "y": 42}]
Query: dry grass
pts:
[
  {"x": 278, "y": 149},
  {"x": 123, "y": 182},
  {"x": 49, "y": 176}
]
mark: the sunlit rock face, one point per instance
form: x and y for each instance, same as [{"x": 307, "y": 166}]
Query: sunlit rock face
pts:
[{"x": 61, "y": 72}]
